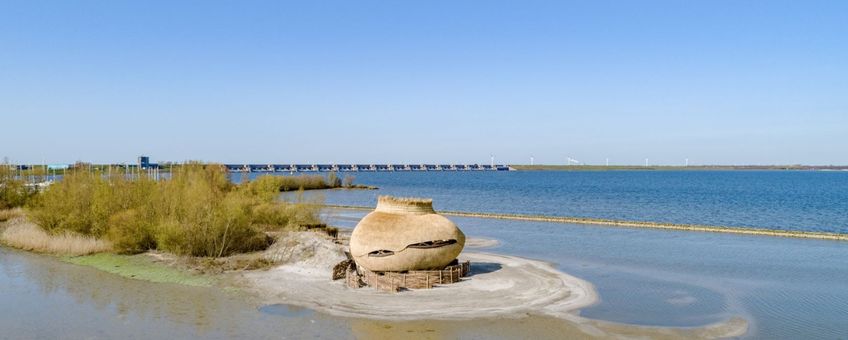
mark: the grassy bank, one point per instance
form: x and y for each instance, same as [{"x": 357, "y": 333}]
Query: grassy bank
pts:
[{"x": 637, "y": 224}]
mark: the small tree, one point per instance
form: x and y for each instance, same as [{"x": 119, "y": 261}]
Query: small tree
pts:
[
  {"x": 333, "y": 180},
  {"x": 348, "y": 181}
]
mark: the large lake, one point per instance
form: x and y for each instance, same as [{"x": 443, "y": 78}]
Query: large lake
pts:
[
  {"x": 793, "y": 200},
  {"x": 787, "y": 288}
]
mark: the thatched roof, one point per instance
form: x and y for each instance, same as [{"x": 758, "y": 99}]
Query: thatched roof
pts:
[{"x": 407, "y": 205}]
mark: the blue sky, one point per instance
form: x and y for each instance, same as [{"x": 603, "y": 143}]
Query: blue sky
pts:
[{"x": 718, "y": 82}]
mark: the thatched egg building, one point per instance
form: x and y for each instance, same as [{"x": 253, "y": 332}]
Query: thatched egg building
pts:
[{"x": 405, "y": 234}]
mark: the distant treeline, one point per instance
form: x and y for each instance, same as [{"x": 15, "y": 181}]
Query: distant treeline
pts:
[
  {"x": 306, "y": 182},
  {"x": 13, "y": 190}
]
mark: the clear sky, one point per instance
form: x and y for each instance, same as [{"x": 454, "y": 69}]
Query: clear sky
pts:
[{"x": 718, "y": 82}]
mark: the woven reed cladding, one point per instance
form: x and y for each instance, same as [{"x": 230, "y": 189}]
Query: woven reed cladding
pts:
[{"x": 405, "y": 234}]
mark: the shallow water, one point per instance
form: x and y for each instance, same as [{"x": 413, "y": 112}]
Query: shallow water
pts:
[
  {"x": 44, "y": 298},
  {"x": 792, "y": 200},
  {"x": 787, "y": 288},
  {"x": 41, "y": 297}
]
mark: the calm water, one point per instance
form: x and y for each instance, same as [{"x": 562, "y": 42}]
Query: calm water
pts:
[
  {"x": 787, "y": 288},
  {"x": 794, "y": 200}
]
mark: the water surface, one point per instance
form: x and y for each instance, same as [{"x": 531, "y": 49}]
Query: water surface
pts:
[
  {"x": 787, "y": 288},
  {"x": 791, "y": 200}
]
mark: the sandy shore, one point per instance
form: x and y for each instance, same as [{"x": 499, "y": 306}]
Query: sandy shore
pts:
[
  {"x": 510, "y": 289},
  {"x": 497, "y": 286}
]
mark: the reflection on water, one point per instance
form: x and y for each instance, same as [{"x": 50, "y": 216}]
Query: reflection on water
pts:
[
  {"x": 287, "y": 311},
  {"x": 41, "y": 297}
]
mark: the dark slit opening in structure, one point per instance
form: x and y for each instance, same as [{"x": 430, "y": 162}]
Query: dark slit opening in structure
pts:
[
  {"x": 432, "y": 244},
  {"x": 381, "y": 253}
]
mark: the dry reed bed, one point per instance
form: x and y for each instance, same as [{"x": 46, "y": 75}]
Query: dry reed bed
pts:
[
  {"x": 9, "y": 214},
  {"x": 639, "y": 224},
  {"x": 22, "y": 234}
]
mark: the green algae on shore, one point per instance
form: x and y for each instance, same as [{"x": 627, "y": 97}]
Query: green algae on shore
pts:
[{"x": 139, "y": 267}]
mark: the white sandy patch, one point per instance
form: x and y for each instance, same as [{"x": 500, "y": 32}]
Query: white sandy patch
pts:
[{"x": 497, "y": 285}]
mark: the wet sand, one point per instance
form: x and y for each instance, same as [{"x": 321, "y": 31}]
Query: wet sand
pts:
[{"x": 503, "y": 296}]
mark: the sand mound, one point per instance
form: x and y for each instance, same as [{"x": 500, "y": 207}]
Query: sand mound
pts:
[
  {"x": 307, "y": 254},
  {"x": 497, "y": 285}
]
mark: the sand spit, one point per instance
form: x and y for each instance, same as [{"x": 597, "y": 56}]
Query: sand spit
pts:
[
  {"x": 497, "y": 285},
  {"x": 501, "y": 290},
  {"x": 638, "y": 224}
]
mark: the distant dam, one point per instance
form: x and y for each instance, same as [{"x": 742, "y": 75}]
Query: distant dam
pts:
[{"x": 363, "y": 167}]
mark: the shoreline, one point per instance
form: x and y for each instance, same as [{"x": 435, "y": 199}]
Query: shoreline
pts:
[
  {"x": 500, "y": 288},
  {"x": 497, "y": 286},
  {"x": 171, "y": 298},
  {"x": 634, "y": 224}
]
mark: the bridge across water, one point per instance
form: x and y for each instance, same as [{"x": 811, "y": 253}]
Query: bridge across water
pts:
[{"x": 362, "y": 167}]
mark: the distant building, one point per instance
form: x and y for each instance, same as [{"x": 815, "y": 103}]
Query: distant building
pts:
[{"x": 144, "y": 163}]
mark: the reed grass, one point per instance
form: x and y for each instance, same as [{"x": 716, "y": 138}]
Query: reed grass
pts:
[
  {"x": 22, "y": 234},
  {"x": 8, "y": 214},
  {"x": 300, "y": 182}
]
